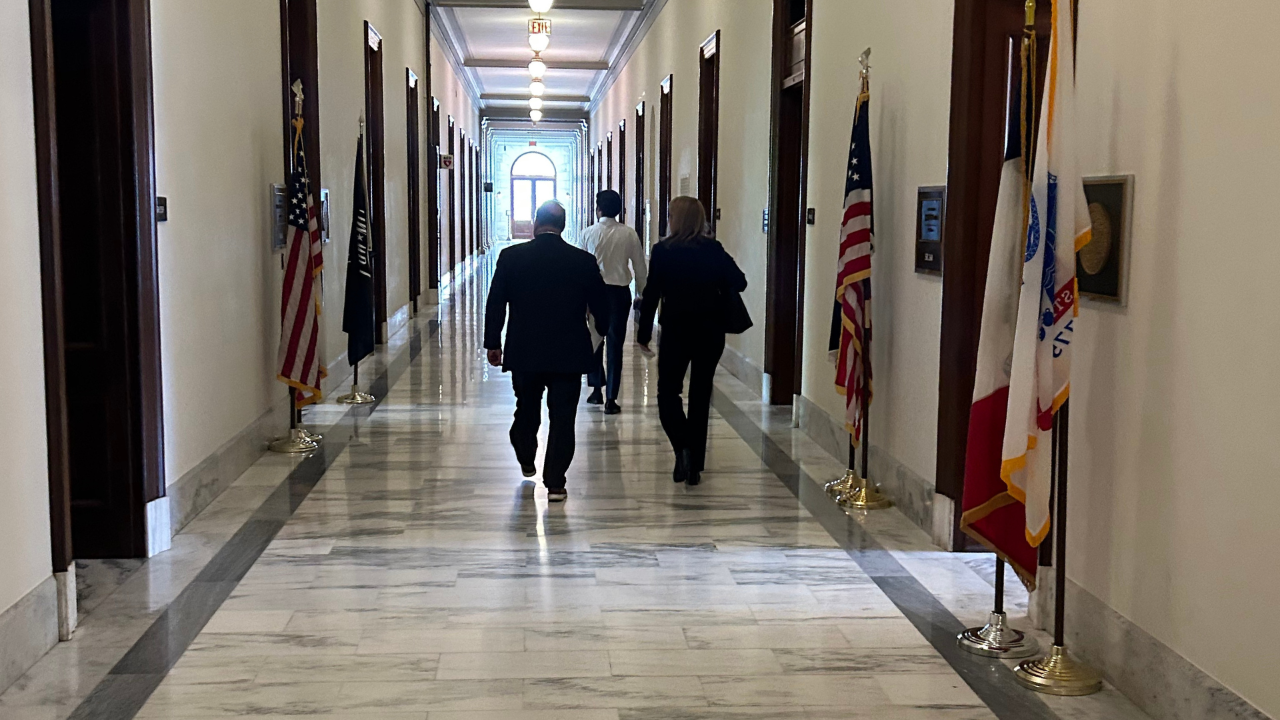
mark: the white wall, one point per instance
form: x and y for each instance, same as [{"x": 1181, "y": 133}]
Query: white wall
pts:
[
  {"x": 672, "y": 47},
  {"x": 219, "y": 141},
  {"x": 1174, "y": 459},
  {"x": 24, "y": 475},
  {"x": 910, "y": 120}
]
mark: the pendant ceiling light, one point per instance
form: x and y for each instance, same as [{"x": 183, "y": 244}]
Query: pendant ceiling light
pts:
[
  {"x": 535, "y": 115},
  {"x": 541, "y": 6},
  {"x": 537, "y": 68},
  {"x": 536, "y": 88},
  {"x": 535, "y": 103},
  {"x": 539, "y": 42}
]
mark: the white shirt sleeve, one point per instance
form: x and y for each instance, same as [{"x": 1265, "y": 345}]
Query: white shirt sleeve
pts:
[{"x": 638, "y": 266}]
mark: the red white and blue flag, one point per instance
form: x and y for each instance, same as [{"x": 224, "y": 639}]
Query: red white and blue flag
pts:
[
  {"x": 851, "y": 318},
  {"x": 1028, "y": 320},
  {"x": 298, "y": 358}
]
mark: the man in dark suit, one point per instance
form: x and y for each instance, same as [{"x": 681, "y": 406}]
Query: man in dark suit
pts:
[{"x": 550, "y": 285}]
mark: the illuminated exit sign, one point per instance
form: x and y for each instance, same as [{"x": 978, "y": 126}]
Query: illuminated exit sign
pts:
[{"x": 540, "y": 26}]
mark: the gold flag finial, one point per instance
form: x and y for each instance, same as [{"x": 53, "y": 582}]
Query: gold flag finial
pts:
[
  {"x": 1031, "y": 13},
  {"x": 297, "y": 97}
]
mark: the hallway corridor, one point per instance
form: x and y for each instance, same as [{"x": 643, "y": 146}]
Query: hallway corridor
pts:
[{"x": 406, "y": 571}]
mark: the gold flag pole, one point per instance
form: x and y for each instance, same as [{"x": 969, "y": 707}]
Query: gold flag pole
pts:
[
  {"x": 356, "y": 397},
  {"x": 298, "y": 441},
  {"x": 854, "y": 491}
]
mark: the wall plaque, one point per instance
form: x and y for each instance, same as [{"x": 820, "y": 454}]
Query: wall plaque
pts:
[
  {"x": 1102, "y": 264},
  {"x": 931, "y": 211}
]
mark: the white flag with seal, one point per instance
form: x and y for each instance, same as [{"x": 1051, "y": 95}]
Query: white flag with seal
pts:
[{"x": 1040, "y": 377}]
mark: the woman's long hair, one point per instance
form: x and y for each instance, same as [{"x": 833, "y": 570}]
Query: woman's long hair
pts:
[{"x": 687, "y": 221}]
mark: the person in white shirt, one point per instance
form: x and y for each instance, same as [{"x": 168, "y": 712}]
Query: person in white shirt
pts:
[{"x": 620, "y": 254}]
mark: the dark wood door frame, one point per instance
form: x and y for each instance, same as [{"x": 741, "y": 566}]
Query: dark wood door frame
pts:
[
  {"x": 433, "y": 195},
  {"x": 479, "y": 189},
  {"x": 709, "y": 124},
  {"x": 788, "y": 198},
  {"x": 608, "y": 161},
  {"x": 433, "y": 162},
  {"x": 414, "y": 162},
  {"x": 622, "y": 169},
  {"x": 665, "y": 122},
  {"x": 453, "y": 199},
  {"x": 979, "y": 93},
  {"x": 376, "y": 129},
  {"x": 464, "y": 230},
  {"x": 640, "y": 179},
  {"x": 300, "y": 60},
  {"x": 121, "y": 145}
]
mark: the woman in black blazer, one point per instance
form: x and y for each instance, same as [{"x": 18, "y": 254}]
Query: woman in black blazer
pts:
[{"x": 692, "y": 275}]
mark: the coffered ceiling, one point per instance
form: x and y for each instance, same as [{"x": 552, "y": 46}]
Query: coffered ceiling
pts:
[{"x": 488, "y": 39}]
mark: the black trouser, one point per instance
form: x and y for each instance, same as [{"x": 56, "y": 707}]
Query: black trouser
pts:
[
  {"x": 562, "y": 391},
  {"x": 677, "y": 351},
  {"x": 619, "y": 315}
]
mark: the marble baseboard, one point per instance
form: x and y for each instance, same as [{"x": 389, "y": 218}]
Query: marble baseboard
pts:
[
  {"x": 159, "y": 526},
  {"x": 1154, "y": 676},
  {"x": 741, "y": 367},
  {"x": 198, "y": 487},
  {"x": 397, "y": 320},
  {"x": 912, "y": 494},
  {"x": 28, "y": 630},
  {"x": 68, "y": 607}
]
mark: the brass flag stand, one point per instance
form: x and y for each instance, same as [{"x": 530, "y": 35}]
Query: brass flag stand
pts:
[
  {"x": 996, "y": 639},
  {"x": 355, "y": 397},
  {"x": 854, "y": 492},
  {"x": 1058, "y": 673}
]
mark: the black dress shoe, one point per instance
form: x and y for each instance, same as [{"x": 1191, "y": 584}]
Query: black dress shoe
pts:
[
  {"x": 596, "y": 397},
  {"x": 695, "y": 477},
  {"x": 612, "y": 408},
  {"x": 681, "y": 473}
]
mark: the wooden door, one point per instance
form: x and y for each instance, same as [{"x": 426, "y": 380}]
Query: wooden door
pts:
[
  {"x": 709, "y": 124},
  {"x": 433, "y": 195},
  {"x": 665, "y": 119},
  {"x": 376, "y": 138},
  {"x": 640, "y": 219},
  {"x": 622, "y": 169},
  {"x": 414, "y": 181},
  {"x": 95, "y": 153},
  {"x": 789, "y": 149},
  {"x": 983, "y": 31}
]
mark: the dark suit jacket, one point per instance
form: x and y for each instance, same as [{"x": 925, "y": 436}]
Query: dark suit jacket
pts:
[
  {"x": 690, "y": 280},
  {"x": 549, "y": 285}
]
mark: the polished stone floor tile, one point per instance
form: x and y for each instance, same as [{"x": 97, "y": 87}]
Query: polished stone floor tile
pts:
[
  {"x": 536, "y": 664},
  {"x": 416, "y": 574}
]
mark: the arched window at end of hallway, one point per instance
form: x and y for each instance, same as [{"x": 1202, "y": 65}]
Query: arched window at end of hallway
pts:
[{"x": 533, "y": 182}]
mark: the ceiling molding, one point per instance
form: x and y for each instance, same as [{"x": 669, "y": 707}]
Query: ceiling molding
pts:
[
  {"x": 522, "y": 65},
  {"x": 518, "y": 114},
  {"x": 545, "y": 98},
  {"x": 444, "y": 25},
  {"x": 639, "y": 29},
  {"x": 611, "y": 5}
]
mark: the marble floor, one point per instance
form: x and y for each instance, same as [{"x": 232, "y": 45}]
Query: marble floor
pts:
[{"x": 409, "y": 571}]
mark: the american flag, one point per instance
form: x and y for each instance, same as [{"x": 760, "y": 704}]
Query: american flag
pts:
[
  {"x": 851, "y": 318},
  {"x": 298, "y": 359}
]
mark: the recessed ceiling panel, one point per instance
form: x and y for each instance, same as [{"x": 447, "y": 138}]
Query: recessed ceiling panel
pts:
[
  {"x": 500, "y": 34},
  {"x": 516, "y": 80}
]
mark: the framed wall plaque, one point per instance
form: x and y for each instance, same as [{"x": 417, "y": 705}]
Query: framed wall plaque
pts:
[
  {"x": 1101, "y": 265},
  {"x": 931, "y": 212}
]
